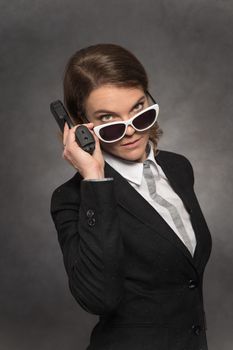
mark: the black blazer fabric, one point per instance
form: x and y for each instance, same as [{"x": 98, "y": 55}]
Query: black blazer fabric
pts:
[{"x": 125, "y": 264}]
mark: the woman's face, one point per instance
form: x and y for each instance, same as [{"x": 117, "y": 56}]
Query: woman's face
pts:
[{"x": 110, "y": 103}]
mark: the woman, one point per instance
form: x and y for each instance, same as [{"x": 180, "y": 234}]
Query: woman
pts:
[{"x": 133, "y": 236}]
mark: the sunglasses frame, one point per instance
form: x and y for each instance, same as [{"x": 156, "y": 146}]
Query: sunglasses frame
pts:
[{"x": 127, "y": 123}]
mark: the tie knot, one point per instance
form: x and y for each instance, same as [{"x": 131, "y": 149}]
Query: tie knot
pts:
[{"x": 146, "y": 164}]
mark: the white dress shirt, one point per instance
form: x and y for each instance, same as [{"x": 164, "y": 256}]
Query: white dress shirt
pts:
[{"x": 133, "y": 173}]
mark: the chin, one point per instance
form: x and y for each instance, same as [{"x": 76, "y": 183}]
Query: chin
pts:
[{"x": 136, "y": 156}]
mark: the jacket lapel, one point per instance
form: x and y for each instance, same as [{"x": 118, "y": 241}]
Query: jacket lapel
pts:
[
  {"x": 178, "y": 180},
  {"x": 134, "y": 203}
]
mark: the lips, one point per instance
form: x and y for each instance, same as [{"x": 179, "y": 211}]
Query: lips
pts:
[{"x": 130, "y": 143}]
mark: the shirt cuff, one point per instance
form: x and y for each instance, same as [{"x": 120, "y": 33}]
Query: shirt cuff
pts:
[{"x": 99, "y": 180}]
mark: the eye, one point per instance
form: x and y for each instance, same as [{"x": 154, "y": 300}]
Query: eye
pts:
[
  {"x": 139, "y": 107},
  {"x": 106, "y": 118}
]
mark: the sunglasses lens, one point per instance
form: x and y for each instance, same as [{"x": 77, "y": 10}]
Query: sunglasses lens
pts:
[
  {"x": 145, "y": 119},
  {"x": 112, "y": 132}
]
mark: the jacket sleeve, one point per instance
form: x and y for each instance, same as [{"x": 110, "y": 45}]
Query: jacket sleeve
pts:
[{"x": 86, "y": 220}]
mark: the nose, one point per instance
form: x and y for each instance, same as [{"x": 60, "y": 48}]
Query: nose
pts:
[{"x": 130, "y": 130}]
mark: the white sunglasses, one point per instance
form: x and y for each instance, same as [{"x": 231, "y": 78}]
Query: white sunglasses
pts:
[{"x": 115, "y": 131}]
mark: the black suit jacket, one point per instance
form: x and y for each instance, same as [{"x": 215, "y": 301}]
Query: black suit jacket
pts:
[{"x": 127, "y": 265}]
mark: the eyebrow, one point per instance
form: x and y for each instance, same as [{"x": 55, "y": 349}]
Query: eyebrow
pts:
[{"x": 111, "y": 112}]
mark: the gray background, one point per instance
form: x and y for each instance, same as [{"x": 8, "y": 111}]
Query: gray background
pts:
[{"x": 186, "y": 47}]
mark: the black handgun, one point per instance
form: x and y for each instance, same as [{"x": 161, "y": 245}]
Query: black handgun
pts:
[{"x": 83, "y": 136}]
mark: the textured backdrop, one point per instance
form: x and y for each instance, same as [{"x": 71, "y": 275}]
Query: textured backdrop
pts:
[{"x": 186, "y": 47}]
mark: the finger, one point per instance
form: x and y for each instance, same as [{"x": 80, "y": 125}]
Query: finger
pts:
[
  {"x": 70, "y": 134},
  {"x": 65, "y": 133},
  {"x": 97, "y": 144},
  {"x": 97, "y": 141},
  {"x": 90, "y": 125}
]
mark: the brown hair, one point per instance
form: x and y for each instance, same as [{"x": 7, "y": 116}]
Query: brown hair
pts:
[{"x": 97, "y": 65}]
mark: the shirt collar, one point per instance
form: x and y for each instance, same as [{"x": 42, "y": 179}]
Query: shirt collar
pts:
[{"x": 130, "y": 170}]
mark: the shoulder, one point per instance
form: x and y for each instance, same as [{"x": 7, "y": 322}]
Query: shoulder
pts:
[
  {"x": 172, "y": 157},
  {"x": 176, "y": 161}
]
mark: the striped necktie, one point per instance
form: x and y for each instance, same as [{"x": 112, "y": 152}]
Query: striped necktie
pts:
[{"x": 150, "y": 180}]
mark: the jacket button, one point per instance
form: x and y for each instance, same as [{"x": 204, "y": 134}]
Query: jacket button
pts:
[
  {"x": 90, "y": 213},
  {"x": 196, "y": 329},
  {"x": 91, "y": 221},
  {"x": 192, "y": 284},
  {"x": 190, "y": 210}
]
